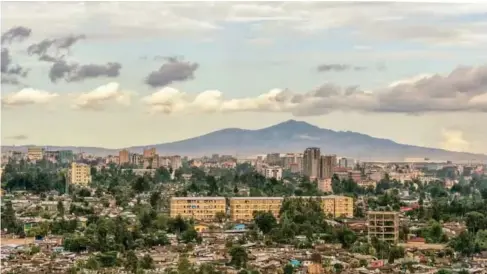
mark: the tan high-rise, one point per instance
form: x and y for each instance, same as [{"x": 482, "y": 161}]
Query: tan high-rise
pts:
[
  {"x": 384, "y": 225},
  {"x": 123, "y": 157},
  {"x": 311, "y": 162},
  {"x": 198, "y": 208},
  {"x": 150, "y": 152},
  {"x": 327, "y": 166}
]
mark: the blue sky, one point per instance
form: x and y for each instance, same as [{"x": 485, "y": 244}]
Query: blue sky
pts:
[{"x": 244, "y": 64}]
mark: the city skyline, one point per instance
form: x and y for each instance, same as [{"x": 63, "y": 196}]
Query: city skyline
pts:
[{"x": 84, "y": 76}]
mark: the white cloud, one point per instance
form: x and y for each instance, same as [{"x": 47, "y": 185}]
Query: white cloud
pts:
[
  {"x": 101, "y": 97},
  {"x": 28, "y": 96},
  {"x": 454, "y": 140},
  {"x": 464, "y": 89}
]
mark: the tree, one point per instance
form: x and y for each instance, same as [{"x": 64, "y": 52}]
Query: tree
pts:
[
  {"x": 396, "y": 252},
  {"x": 131, "y": 262},
  {"x": 463, "y": 243},
  {"x": 184, "y": 266},
  {"x": 220, "y": 216},
  {"x": 60, "y": 208},
  {"x": 155, "y": 199},
  {"x": 288, "y": 269},
  {"x": 475, "y": 221},
  {"x": 265, "y": 221},
  {"x": 9, "y": 221},
  {"x": 147, "y": 262},
  {"x": 189, "y": 235},
  {"x": 239, "y": 257},
  {"x": 141, "y": 185},
  {"x": 338, "y": 268},
  {"x": 92, "y": 263}
]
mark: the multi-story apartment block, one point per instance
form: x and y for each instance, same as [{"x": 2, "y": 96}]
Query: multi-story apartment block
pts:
[
  {"x": 80, "y": 174},
  {"x": 384, "y": 225},
  {"x": 273, "y": 172},
  {"x": 35, "y": 153},
  {"x": 124, "y": 157},
  {"x": 176, "y": 162},
  {"x": 150, "y": 153},
  {"x": 273, "y": 159},
  {"x": 311, "y": 162},
  {"x": 198, "y": 208},
  {"x": 66, "y": 156},
  {"x": 335, "y": 205},
  {"x": 243, "y": 208},
  {"x": 327, "y": 166},
  {"x": 293, "y": 162},
  {"x": 136, "y": 159}
]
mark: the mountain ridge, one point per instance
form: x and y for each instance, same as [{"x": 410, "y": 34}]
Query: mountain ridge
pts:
[{"x": 288, "y": 136}]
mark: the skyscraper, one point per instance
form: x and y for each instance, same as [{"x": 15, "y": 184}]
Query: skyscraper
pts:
[
  {"x": 311, "y": 162},
  {"x": 123, "y": 157},
  {"x": 327, "y": 166}
]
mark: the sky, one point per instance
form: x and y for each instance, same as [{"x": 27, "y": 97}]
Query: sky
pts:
[{"x": 119, "y": 74}]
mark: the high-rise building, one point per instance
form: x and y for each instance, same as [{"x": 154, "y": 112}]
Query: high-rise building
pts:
[
  {"x": 311, "y": 162},
  {"x": 327, "y": 166},
  {"x": 136, "y": 159},
  {"x": 124, "y": 157},
  {"x": 66, "y": 156},
  {"x": 273, "y": 159},
  {"x": 150, "y": 152},
  {"x": 293, "y": 162},
  {"x": 176, "y": 162},
  {"x": 198, "y": 208},
  {"x": 384, "y": 225},
  {"x": 80, "y": 174}
]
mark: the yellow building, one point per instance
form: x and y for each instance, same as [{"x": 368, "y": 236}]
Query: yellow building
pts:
[
  {"x": 35, "y": 153},
  {"x": 80, "y": 174},
  {"x": 198, "y": 208},
  {"x": 243, "y": 208},
  {"x": 335, "y": 205}
]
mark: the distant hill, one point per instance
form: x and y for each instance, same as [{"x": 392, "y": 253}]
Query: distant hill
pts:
[{"x": 292, "y": 136}]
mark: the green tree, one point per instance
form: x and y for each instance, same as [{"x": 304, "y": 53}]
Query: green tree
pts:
[
  {"x": 265, "y": 221},
  {"x": 155, "y": 199},
  {"x": 220, "y": 216},
  {"x": 9, "y": 221},
  {"x": 147, "y": 262},
  {"x": 60, "y": 208},
  {"x": 288, "y": 269},
  {"x": 239, "y": 257},
  {"x": 131, "y": 262}
]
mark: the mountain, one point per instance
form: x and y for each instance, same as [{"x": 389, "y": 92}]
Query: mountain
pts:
[{"x": 293, "y": 136}]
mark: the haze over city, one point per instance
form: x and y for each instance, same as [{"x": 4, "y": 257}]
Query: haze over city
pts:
[{"x": 80, "y": 74}]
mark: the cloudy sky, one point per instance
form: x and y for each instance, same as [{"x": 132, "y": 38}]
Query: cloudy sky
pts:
[{"x": 118, "y": 74}]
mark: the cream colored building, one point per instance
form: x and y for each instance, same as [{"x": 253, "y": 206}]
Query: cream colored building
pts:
[
  {"x": 80, "y": 174},
  {"x": 335, "y": 205},
  {"x": 243, "y": 208},
  {"x": 384, "y": 225},
  {"x": 35, "y": 153},
  {"x": 198, "y": 208}
]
